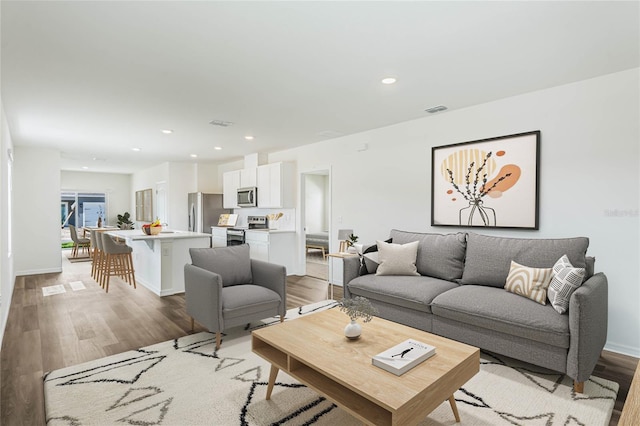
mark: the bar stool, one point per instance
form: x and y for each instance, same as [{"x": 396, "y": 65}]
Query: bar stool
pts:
[
  {"x": 117, "y": 260},
  {"x": 98, "y": 255}
]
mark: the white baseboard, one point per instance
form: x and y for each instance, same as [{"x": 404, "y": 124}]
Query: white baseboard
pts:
[
  {"x": 622, "y": 349},
  {"x": 39, "y": 271}
]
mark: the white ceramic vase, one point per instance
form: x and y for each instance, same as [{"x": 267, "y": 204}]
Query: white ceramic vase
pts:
[{"x": 352, "y": 330}]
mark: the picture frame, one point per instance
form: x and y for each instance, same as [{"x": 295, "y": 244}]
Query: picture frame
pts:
[
  {"x": 144, "y": 206},
  {"x": 487, "y": 183}
]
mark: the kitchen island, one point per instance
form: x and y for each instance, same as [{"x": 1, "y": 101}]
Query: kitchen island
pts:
[{"x": 159, "y": 260}]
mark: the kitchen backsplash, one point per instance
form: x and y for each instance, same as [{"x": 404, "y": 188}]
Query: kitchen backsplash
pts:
[{"x": 287, "y": 221}]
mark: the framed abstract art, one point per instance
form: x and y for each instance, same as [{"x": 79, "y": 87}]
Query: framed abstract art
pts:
[{"x": 487, "y": 183}]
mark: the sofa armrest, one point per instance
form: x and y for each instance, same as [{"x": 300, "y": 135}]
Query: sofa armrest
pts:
[
  {"x": 273, "y": 277},
  {"x": 203, "y": 296},
  {"x": 350, "y": 270},
  {"x": 588, "y": 313}
]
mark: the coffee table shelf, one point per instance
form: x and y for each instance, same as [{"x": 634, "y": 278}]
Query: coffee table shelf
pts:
[
  {"x": 313, "y": 350},
  {"x": 355, "y": 404}
]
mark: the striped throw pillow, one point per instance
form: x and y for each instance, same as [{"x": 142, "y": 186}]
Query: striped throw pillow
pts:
[{"x": 529, "y": 282}]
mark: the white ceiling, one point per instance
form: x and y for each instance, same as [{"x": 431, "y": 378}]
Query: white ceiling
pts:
[{"x": 96, "y": 79}]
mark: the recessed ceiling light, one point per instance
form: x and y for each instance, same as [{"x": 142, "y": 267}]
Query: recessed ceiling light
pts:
[
  {"x": 389, "y": 80},
  {"x": 193, "y": 155},
  {"x": 85, "y": 168},
  {"x": 135, "y": 149},
  {"x": 217, "y": 148},
  {"x": 167, "y": 131},
  {"x": 249, "y": 137},
  {"x": 436, "y": 108}
]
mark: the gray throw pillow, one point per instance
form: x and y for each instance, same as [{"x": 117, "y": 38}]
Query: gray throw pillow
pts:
[{"x": 232, "y": 263}]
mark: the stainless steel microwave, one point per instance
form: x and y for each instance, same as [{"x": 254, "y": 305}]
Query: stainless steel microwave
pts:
[{"x": 248, "y": 197}]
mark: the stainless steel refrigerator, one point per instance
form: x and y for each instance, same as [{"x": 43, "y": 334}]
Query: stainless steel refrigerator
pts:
[{"x": 204, "y": 211}]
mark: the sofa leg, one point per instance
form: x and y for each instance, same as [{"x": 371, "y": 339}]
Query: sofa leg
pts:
[
  {"x": 218, "y": 340},
  {"x": 578, "y": 387},
  {"x": 281, "y": 318},
  {"x": 192, "y": 324}
]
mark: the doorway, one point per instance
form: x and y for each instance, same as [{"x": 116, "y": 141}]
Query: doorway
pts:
[
  {"x": 316, "y": 218},
  {"x": 80, "y": 209}
]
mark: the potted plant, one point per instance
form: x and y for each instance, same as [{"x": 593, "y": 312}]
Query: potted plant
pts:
[
  {"x": 124, "y": 222},
  {"x": 351, "y": 241},
  {"x": 356, "y": 307}
]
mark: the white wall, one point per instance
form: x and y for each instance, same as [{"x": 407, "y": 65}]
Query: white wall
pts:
[
  {"x": 7, "y": 276},
  {"x": 117, "y": 187},
  {"x": 207, "y": 177},
  {"x": 36, "y": 211},
  {"x": 180, "y": 179},
  {"x": 589, "y": 178}
]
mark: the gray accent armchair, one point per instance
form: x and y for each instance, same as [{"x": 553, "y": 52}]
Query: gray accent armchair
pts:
[{"x": 225, "y": 288}]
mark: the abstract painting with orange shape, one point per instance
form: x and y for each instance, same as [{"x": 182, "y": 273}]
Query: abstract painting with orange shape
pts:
[{"x": 486, "y": 183}]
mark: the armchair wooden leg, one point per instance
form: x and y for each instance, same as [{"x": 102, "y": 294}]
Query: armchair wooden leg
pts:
[
  {"x": 578, "y": 387},
  {"x": 192, "y": 324},
  {"x": 218, "y": 340}
]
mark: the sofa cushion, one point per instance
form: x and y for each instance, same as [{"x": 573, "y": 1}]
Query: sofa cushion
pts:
[
  {"x": 411, "y": 292},
  {"x": 243, "y": 300},
  {"x": 439, "y": 255},
  {"x": 529, "y": 282},
  {"x": 489, "y": 258},
  {"x": 505, "y": 312},
  {"x": 232, "y": 263},
  {"x": 397, "y": 259},
  {"x": 566, "y": 280}
]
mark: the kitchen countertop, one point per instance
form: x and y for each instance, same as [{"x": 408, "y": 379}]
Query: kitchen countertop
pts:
[
  {"x": 168, "y": 234},
  {"x": 271, "y": 231}
]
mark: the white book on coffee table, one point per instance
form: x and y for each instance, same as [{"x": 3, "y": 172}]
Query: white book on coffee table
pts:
[{"x": 404, "y": 356}]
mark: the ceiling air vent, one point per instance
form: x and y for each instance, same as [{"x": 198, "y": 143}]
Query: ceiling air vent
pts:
[
  {"x": 221, "y": 123},
  {"x": 437, "y": 108}
]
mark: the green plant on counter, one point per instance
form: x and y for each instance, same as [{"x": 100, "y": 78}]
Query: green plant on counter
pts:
[{"x": 124, "y": 222}]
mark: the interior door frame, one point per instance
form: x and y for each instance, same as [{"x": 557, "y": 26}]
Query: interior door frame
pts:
[{"x": 302, "y": 253}]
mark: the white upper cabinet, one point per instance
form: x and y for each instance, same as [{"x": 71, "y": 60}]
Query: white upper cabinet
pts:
[
  {"x": 275, "y": 185},
  {"x": 247, "y": 178},
  {"x": 230, "y": 185}
]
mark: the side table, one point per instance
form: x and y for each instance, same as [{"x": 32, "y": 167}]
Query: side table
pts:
[{"x": 339, "y": 255}]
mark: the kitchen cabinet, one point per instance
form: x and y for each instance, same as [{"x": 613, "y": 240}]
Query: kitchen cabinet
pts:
[
  {"x": 248, "y": 177},
  {"x": 231, "y": 181},
  {"x": 272, "y": 246},
  {"x": 230, "y": 185},
  {"x": 275, "y": 185},
  {"x": 218, "y": 236}
]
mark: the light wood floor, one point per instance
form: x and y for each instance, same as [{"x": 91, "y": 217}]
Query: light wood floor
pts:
[{"x": 47, "y": 333}]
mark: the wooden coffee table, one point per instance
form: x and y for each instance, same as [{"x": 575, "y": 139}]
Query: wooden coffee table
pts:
[{"x": 313, "y": 350}]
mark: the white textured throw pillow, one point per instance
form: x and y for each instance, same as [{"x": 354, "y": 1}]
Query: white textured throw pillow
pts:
[
  {"x": 529, "y": 282},
  {"x": 397, "y": 259},
  {"x": 566, "y": 280}
]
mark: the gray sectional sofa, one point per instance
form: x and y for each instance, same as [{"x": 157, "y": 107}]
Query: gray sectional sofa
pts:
[{"x": 459, "y": 293}]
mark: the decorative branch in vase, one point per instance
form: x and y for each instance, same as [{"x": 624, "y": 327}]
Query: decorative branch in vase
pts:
[
  {"x": 356, "y": 307},
  {"x": 474, "y": 191}
]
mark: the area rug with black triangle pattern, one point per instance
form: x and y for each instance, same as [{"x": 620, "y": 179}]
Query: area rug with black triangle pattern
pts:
[{"x": 187, "y": 382}]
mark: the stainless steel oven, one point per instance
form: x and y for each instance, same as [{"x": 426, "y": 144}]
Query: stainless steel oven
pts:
[{"x": 235, "y": 237}]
